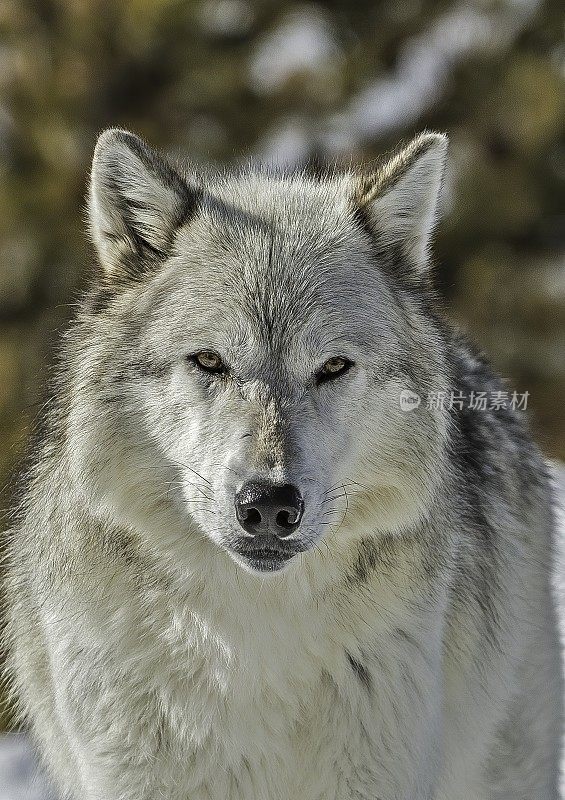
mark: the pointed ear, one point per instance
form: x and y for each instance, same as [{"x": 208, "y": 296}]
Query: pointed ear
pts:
[
  {"x": 136, "y": 202},
  {"x": 399, "y": 202}
]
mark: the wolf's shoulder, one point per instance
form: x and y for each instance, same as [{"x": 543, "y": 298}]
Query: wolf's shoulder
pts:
[{"x": 492, "y": 443}]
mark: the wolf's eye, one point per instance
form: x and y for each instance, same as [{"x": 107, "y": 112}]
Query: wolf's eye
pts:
[
  {"x": 333, "y": 368},
  {"x": 209, "y": 361}
]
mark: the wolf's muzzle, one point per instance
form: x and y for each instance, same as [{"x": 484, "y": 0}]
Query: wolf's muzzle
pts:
[{"x": 264, "y": 508}]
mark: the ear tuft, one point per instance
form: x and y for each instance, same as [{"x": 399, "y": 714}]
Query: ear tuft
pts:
[
  {"x": 400, "y": 200},
  {"x": 136, "y": 203}
]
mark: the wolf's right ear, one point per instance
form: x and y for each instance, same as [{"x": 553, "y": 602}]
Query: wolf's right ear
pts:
[
  {"x": 398, "y": 203},
  {"x": 136, "y": 203}
]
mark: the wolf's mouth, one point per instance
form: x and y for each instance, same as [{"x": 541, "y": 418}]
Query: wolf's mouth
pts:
[{"x": 266, "y": 559}]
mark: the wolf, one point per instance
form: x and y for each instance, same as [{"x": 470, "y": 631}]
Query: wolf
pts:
[{"x": 254, "y": 557}]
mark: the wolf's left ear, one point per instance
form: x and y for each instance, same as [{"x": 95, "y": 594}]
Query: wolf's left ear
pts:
[
  {"x": 136, "y": 202},
  {"x": 399, "y": 202}
]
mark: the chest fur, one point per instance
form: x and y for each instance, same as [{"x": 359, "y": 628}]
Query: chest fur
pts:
[
  {"x": 224, "y": 692},
  {"x": 230, "y": 702}
]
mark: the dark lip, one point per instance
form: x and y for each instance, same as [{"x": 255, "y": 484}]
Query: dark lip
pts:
[
  {"x": 266, "y": 565},
  {"x": 266, "y": 559}
]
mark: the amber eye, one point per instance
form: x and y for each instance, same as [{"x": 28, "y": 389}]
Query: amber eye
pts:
[
  {"x": 209, "y": 361},
  {"x": 333, "y": 368}
]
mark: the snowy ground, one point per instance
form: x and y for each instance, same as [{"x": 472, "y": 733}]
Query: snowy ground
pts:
[{"x": 20, "y": 779}]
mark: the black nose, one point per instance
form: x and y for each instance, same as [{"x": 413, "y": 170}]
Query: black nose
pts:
[{"x": 263, "y": 508}]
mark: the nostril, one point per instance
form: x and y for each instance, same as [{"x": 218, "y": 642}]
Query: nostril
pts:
[
  {"x": 286, "y": 519},
  {"x": 251, "y": 517}
]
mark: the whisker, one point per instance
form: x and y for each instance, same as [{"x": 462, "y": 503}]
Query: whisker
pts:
[
  {"x": 361, "y": 486},
  {"x": 334, "y": 497},
  {"x": 187, "y": 466},
  {"x": 333, "y": 511}
]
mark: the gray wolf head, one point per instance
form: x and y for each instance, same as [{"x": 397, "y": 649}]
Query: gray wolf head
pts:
[{"x": 240, "y": 362}]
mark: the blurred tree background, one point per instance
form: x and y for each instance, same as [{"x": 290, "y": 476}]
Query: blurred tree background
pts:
[{"x": 223, "y": 80}]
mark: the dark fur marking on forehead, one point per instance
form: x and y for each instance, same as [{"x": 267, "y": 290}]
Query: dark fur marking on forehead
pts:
[
  {"x": 361, "y": 673},
  {"x": 227, "y": 213}
]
